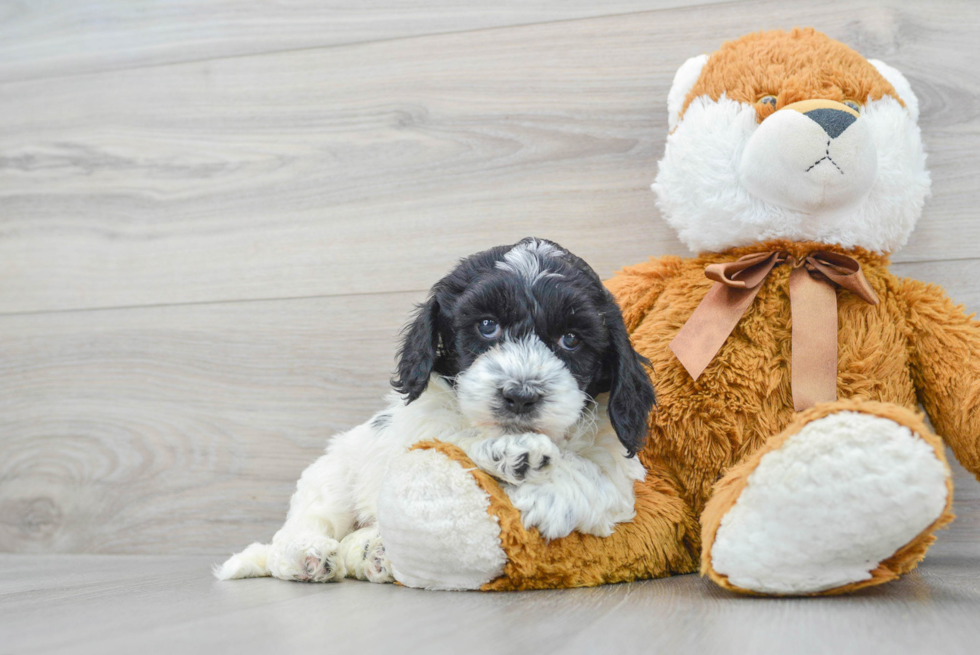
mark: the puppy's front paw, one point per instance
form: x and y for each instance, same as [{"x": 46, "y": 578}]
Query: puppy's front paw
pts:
[
  {"x": 555, "y": 513},
  {"x": 306, "y": 559},
  {"x": 516, "y": 458}
]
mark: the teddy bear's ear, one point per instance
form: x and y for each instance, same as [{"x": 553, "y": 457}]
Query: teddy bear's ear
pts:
[
  {"x": 684, "y": 81},
  {"x": 902, "y": 86}
]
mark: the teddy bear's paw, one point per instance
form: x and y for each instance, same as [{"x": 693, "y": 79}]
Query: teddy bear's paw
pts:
[
  {"x": 306, "y": 558},
  {"x": 516, "y": 458},
  {"x": 829, "y": 505},
  {"x": 365, "y": 557},
  {"x": 435, "y": 523}
]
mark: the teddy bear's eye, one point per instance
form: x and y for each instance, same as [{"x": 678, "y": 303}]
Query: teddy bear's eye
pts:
[
  {"x": 769, "y": 101},
  {"x": 853, "y": 104}
]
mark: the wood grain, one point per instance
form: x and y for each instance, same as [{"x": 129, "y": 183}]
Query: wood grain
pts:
[
  {"x": 56, "y": 38},
  {"x": 183, "y": 429},
  {"x": 180, "y": 429},
  {"x": 114, "y": 604},
  {"x": 369, "y": 168}
]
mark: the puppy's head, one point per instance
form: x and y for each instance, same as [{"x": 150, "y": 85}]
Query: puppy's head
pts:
[{"x": 529, "y": 335}]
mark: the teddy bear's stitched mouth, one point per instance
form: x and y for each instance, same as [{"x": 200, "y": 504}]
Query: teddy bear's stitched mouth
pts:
[{"x": 827, "y": 157}]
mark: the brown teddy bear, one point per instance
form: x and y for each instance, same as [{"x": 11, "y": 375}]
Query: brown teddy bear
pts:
[{"x": 786, "y": 455}]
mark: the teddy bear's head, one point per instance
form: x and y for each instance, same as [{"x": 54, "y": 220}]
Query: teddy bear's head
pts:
[{"x": 791, "y": 135}]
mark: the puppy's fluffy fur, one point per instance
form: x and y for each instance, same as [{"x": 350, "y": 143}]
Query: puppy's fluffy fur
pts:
[{"x": 520, "y": 357}]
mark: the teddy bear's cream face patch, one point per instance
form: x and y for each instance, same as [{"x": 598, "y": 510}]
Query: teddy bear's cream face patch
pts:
[
  {"x": 810, "y": 156},
  {"x": 733, "y": 175},
  {"x": 718, "y": 193}
]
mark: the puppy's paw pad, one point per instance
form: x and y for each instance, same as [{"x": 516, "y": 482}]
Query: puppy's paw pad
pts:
[
  {"x": 365, "y": 558},
  {"x": 523, "y": 457},
  {"x": 307, "y": 560},
  {"x": 319, "y": 568},
  {"x": 378, "y": 567}
]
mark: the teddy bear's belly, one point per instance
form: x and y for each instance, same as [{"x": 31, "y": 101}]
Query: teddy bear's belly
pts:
[{"x": 701, "y": 428}]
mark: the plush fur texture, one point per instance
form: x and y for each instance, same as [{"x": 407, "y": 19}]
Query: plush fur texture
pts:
[
  {"x": 709, "y": 438},
  {"x": 791, "y": 528},
  {"x": 801, "y": 64},
  {"x": 684, "y": 80},
  {"x": 642, "y": 548},
  {"x": 528, "y": 368},
  {"x": 462, "y": 546},
  {"x": 919, "y": 457},
  {"x": 737, "y": 170},
  {"x": 879, "y": 358}
]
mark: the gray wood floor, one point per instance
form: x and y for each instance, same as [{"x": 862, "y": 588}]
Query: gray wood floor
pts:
[
  {"x": 168, "y": 604},
  {"x": 214, "y": 217}
]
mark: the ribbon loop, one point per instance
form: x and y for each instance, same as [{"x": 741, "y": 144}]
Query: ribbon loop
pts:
[
  {"x": 813, "y": 302},
  {"x": 745, "y": 272},
  {"x": 843, "y": 271}
]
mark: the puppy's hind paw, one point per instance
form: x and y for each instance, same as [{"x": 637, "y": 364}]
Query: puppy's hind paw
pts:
[
  {"x": 306, "y": 560},
  {"x": 377, "y": 567},
  {"x": 364, "y": 556}
]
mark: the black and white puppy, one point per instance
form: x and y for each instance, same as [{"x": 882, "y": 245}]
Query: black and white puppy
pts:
[{"x": 520, "y": 357}]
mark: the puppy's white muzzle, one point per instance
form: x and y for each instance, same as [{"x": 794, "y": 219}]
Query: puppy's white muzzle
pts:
[
  {"x": 810, "y": 156},
  {"x": 525, "y": 364}
]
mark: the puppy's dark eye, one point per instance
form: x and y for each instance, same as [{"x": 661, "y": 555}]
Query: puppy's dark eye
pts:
[
  {"x": 768, "y": 101},
  {"x": 488, "y": 328},
  {"x": 569, "y": 341},
  {"x": 853, "y": 105}
]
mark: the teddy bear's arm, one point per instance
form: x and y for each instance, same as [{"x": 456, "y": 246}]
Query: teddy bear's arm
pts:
[
  {"x": 636, "y": 288},
  {"x": 945, "y": 350},
  {"x": 661, "y": 540},
  {"x": 433, "y": 532}
]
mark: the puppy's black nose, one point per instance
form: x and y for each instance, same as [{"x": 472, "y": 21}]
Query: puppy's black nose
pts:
[
  {"x": 520, "y": 402},
  {"x": 833, "y": 121}
]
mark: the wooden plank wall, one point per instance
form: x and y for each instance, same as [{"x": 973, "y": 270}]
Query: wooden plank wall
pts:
[{"x": 215, "y": 216}]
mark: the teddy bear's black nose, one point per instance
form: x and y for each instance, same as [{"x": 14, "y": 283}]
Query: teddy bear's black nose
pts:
[{"x": 833, "y": 121}]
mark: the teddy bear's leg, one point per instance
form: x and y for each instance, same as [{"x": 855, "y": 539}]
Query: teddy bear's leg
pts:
[
  {"x": 448, "y": 525},
  {"x": 847, "y": 496}
]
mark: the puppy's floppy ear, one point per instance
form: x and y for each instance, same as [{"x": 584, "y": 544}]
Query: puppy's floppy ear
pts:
[
  {"x": 418, "y": 352},
  {"x": 631, "y": 395}
]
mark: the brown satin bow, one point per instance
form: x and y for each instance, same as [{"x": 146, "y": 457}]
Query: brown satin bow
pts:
[{"x": 813, "y": 302}]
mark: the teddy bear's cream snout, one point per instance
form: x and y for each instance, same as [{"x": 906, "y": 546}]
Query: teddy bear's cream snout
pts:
[{"x": 810, "y": 156}]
